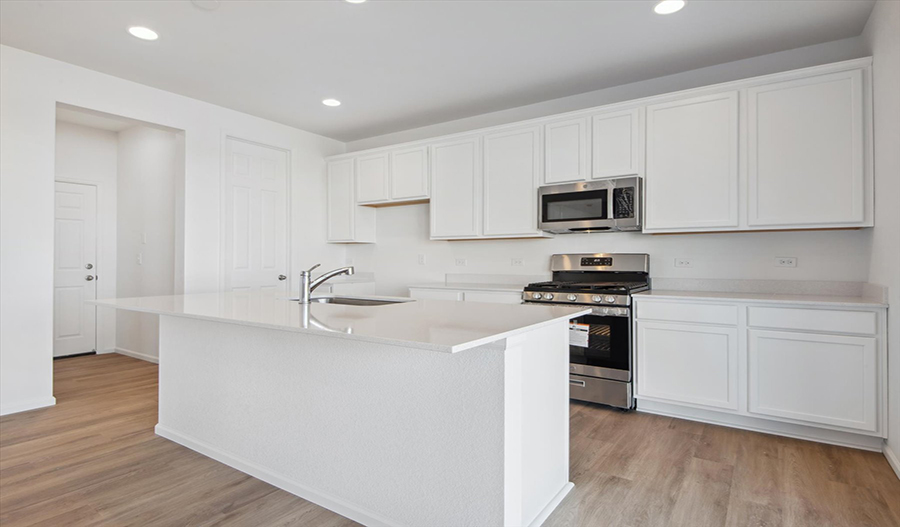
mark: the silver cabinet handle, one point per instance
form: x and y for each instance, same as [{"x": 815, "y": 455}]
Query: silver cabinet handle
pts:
[
  {"x": 282, "y": 277},
  {"x": 576, "y": 383},
  {"x": 89, "y": 266},
  {"x": 89, "y": 277}
]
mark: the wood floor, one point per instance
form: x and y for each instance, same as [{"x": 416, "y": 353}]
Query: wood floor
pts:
[{"x": 93, "y": 459}]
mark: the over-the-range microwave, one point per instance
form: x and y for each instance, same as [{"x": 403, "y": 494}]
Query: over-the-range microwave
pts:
[{"x": 591, "y": 206}]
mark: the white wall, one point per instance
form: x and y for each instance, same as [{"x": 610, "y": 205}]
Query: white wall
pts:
[
  {"x": 30, "y": 88},
  {"x": 85, "y": 154},
  {"x": 882, "y": 35},
  {"x": 147, "y": 168}
]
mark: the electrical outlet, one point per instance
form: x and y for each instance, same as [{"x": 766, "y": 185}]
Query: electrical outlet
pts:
[
  {"x": 461, "y": 262},
  {"x": 515, "y": 262},
  {"x": 683, "y": 262},
  {"x": 421, "y": 259},
  {"x": 785, "y": 261}
]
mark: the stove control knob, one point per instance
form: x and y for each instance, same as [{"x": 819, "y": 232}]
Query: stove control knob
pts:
[
  {"x": 597, "y": 298},
  {"x": 572, "y": 298},
  {"x": 548, "y": 296},
  {"x": 536, "y": 296},
  {"x": 604, "y": 310},
  {"x": 610, "y": 299}
]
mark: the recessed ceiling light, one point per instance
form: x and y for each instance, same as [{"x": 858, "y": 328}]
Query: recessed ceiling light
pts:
[
  {"x": 143, "y": 33},
  {"x": 667, "y": 7},
  {"x": 331, "y": 102},
  {"x": 355, "y": 1}
]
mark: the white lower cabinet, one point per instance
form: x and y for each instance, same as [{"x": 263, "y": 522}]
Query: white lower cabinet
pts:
[
  {"x": 814, "y": 377},
  {"x": 805, "y": 370},
  {"x": 496, "y": 297},
  {"x": 688, "y": 363}
]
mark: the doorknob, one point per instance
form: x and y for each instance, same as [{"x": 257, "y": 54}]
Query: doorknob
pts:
[
  {"x": 88, "y": 266},
  {"x": 89, "y": 277},
  {"x": 282, "y": 277}
]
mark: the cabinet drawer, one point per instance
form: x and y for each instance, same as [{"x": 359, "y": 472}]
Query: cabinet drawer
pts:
[
  {"x": 435, "y": 294},
  {"x": 826, "y": 320},
  {"x": 723, "y": 314},
  {"x": 492, "y": 296}
]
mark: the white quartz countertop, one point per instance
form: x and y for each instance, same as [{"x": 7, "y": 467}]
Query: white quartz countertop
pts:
[
  {"x": 437, "y": 325},
  {"x": 777, "y": 298},
  {"x": 463, "y": 286}
]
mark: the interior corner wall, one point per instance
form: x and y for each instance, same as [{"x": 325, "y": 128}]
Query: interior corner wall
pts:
[
  {"x": 147, "y": 171},
  {"x": 89, "y": 155},
  {"x": 882, "y": 36},
  {"x": 30, "y": 88}
]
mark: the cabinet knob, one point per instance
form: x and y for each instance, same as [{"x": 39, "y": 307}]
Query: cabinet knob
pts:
[
  {"x": 89, "y": 278},
  {"x": 282, "y": 277}
]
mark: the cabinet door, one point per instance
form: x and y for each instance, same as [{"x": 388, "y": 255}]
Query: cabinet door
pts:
[
  {"x": 372, "y": 178},
  {"x": 511, "y": 176},
  {"x": 341, "y": 204},
  {"x": 566, "y": 154},
  {"x": 409, "y": 174},
  {"x": 691, "y": 180},
  {"x": 456, "y": 188},
  {"x": 617, "y": 145},
  {"x": 687, "y": 363},
  {"x": 814, "y": 378},
  {"x": 805, "y": 152}
]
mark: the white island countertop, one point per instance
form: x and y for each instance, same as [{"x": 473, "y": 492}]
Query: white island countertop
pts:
[{"x": 437, "y": 325}]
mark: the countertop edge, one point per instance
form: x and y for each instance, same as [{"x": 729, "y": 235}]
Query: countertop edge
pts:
[{"x": 764, "y": 298}]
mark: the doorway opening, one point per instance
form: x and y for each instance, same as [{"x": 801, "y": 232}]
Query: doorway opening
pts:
[{"x": 119, "y": 229}]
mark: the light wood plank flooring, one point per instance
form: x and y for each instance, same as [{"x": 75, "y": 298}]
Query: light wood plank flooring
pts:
[{"x": 93, "y": 459}]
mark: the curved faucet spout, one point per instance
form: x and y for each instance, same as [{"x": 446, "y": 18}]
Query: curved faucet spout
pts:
[{"x": 307, "y": 285}]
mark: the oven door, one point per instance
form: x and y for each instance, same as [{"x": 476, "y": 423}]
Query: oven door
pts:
[{"x": 600, "y": 346}]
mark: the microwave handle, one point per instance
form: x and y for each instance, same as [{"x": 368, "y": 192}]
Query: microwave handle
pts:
[{"x": 610, "y": 204}]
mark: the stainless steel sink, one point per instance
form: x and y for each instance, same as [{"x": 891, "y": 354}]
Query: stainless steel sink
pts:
[{"x": 355, "y": 301}]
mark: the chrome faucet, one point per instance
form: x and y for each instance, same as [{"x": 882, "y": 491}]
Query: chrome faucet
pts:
[{"x": 307, "y": 286}]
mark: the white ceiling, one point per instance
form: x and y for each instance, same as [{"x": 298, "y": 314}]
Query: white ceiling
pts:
[{"x": 397, "y": 65}]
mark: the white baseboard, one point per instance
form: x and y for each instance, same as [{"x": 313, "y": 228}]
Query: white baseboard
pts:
[
  {"x": 545, "y": 513},
  {"x": 137, "y": 355},
  {"x": 808, "y": 433},
  {"x": 893, "y": 459},
  {"x": 24, "y": 406},
  {"x": 322, "y": 499}
]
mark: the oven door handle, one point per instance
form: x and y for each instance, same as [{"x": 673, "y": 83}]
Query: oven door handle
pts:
[{"x": 577, "y": 382}]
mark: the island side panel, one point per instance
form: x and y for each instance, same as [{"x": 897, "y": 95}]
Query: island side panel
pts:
[
  {"x": 537, "y": 423},
  {"x": 385, "y": 435}
]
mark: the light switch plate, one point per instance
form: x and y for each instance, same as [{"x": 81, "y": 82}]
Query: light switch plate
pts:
[{"x": 683, "y": 262}]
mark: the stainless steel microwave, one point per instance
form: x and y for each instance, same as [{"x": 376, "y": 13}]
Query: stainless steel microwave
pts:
[{"x": 591, "y": 206}]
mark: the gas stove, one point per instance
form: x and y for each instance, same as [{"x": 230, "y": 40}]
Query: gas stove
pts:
[
  {"x": 600, "y": 343},
  {"x": 592, "y": 279}
]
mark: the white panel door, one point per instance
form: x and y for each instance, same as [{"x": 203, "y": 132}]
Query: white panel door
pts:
[
  {"x": 616, "y": 144},
  {"x": 814, "y": 377},
  {"x": 566, "y": 152},
  {"x": 691, "y": 179},
  {"x": 255, "y": 228},
  {"x": 372, "y": 178},
  {"x": 74, "y": 269},
  {"x": 805, "y": 157},
  {"x": 687, "y": 363},
  {"x": 409, "y": 173},
  {"x": 512, "y": 167},
  {"x": 456, "y": 188}
]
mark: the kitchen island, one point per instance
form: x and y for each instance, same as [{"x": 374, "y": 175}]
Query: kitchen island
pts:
[{"x": 410, "y": 413}]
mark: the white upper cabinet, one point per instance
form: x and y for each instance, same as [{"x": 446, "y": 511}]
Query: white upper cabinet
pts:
[
  {"x": 512, "y": 165},
  {"x": 806, "y": 161},
  {"x": 691, "y": 180},
  {"x": 409, "y": 174},
  {"x": 347, "y": 222},
  {"x": 372, "y": 172},
  {"x": 617, "y": 144},
  {"x": 456, "y": 188},
  {"x": 566, "y": 151}
]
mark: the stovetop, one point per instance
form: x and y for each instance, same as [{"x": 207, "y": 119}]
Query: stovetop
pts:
[{"x": 565, "y": 286}]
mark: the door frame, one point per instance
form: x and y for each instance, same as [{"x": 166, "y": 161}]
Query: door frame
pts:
[
  {"x": 99, "y": 244},
  {"x": 223, "y": 159}
]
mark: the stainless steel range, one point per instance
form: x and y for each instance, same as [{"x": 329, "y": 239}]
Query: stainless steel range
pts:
[{"x": 600, "y": 344}]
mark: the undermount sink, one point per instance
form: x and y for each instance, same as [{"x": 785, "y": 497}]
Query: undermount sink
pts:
[{"x": 355, "y": 301}]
